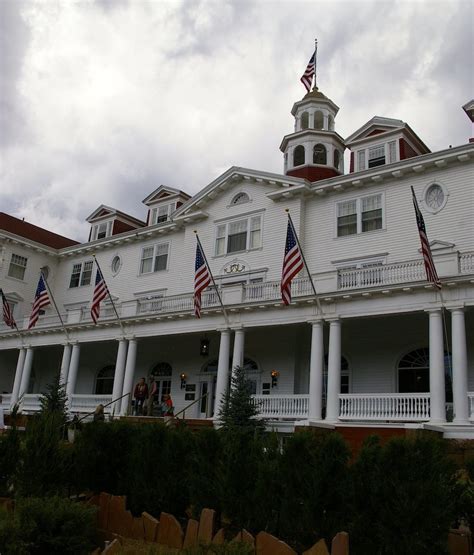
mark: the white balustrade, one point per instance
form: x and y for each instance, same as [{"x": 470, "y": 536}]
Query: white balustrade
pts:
[
  {"x": 30, "y": 402},
  {"x": 466, "y": 263},
  {"x": 282, "y": 406},
  {"x": 5, "y": 399},
  {"x": 270, "y": 290},
  {"x": 106, "y": 312},
  {"x": 88, "y": 403},
  {"x": 177, "y": 303},
  {"x": 470, "y": 396},
  {"x": 385, "y": 274},
  {"x": 407, "y": 407}
]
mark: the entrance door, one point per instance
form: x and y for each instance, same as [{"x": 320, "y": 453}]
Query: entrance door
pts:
[{"x": 207, "y": 392}]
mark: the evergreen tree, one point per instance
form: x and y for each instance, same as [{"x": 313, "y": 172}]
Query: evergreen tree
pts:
[
  {"x": 54, "y": 400},
  {"x": 238, "y": 410}
]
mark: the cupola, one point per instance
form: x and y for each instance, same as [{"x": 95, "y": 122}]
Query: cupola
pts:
[{"x": 314, "y": 150}]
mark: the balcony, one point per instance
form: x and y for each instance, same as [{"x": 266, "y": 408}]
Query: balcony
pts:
[{"x": 401, "y": 407}]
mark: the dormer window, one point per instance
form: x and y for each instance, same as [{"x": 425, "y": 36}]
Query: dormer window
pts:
[
  {"x": 240, "y": 198},
  {"x": 162, "y": 213},
  {"x": 99, "y": 231},
  {"x": 376, "y": 156}
]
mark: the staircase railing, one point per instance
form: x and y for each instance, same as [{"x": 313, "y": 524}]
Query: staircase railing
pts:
[{"x": 183, "y": 411}]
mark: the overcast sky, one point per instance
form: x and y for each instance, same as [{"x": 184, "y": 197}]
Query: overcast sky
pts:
[{"x": 102, "y": 101}]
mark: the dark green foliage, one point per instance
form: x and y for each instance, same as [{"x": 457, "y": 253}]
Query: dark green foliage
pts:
[
  {"x": 205, "y": 476},
  {"x": 42, "y": 469},
  {"x": 9, "y": 459},
  {"x": 54, "y": 400},
  {"x": 315, "y": 483},
  {"x": 47, "y": 526},
  {"x": 411, "y": 482},
  {"x": 238, "y": 410}
]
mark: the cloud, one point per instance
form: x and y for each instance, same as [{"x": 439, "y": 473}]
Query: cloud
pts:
[{"x": 103, "y": 101}]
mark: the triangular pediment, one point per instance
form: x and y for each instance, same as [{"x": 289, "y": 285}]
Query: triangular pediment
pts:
[
  {"x": 13, "y": 297},
  {"x": 234, "y": 176},
  {"x": 437, "y": 245},
  {"x": 102, "y": 212},
  {"x": 376, "y": 126},
  {"x": 164, "y": 193}
]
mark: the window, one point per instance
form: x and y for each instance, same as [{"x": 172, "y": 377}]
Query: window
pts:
[
  {"x": 359, "y": 215},
  {"x": 240, "y": 198},
  {"x": 330, "y": 123},
  {"x": 116, "y": 264},
  {"x": 239, "y": 235},
  {"x": 162, "y": 373},
  {"x": 337, "y": 159},
  {"x": 319, "y": 154},
  {"x": 318, "y": 120},
  {"x": 304, "y": 120},
  {"x": 361, "y": 160},
  {"x": 392, "y": 152},
  {"x": 81, "y": 274},
  {"x": 154, "y": 258},
  {"x": 104, "y": 383},
  {"x": 17, "y": 266},
  {"x": 298, "y": 156},
  {"x": 162, "y": 213},
  {"x": 99, "y": 231},
  {"x": 345, "y": 386},
  {"x": 435, "y": 198},
  {"x": 376, "y": 156}
]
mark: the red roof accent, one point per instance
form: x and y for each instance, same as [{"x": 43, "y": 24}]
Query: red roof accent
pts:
[
  {"x": 313, "y": 173},
  {"x": 33, "y": 232}
]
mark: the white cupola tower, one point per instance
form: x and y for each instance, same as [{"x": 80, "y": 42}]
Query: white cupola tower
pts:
[{"x": 314, "y": 150}]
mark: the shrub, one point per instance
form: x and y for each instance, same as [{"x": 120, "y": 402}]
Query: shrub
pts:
[
  {"x": 9, "y": 449},
  {"x": 47, "y": 526}
]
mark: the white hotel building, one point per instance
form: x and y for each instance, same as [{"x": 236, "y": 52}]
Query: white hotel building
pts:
[{"x": 384, "y": 349}]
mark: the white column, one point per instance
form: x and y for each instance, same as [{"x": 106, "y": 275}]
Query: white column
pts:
[
  {"x": 459, "y": 361},
  {"x": 18, "y": 374},
  {"x": 222, "y": 371},
  {"x": 119, "y": 375},
  {"x": 238, "y": 354},
  {"x": 25, "y": 377},
  {"x": 437, "y": 387},
  {"x": 316, "y": 371},
  {"x": 73, "y": 370},
  {"x": 129, "y": 375},
  {"x": 66, "y": 360},
  {"x": 334, "y": 371}
]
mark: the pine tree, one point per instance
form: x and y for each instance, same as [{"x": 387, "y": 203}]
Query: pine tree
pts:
[
  {"x": 54, "y": 400},
  {"x": 238, "y": 410}
]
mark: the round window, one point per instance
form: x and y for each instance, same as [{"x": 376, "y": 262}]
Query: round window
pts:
[
  {"x": 435, "y": 197},
  {"x": 45, "y": 271},
  {"x": 116, "y": 264}
]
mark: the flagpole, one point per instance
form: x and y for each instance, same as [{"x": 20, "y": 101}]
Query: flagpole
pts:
[
  {"x": 212, "y": 278},
  {"x": 54, "y": 304},
  {"x": 304, "y": 260},
  {"x": 110, "y": 296},
  {"x": 315, "y": 55}
]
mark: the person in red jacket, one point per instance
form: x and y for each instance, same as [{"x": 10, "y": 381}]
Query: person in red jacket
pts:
[
  {"x": 168, "y": 405},
  {"x": 140, "y": 395}
]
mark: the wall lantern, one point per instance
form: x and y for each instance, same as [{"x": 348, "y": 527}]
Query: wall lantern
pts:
[
  {"x": 204, "y": 350},
  {"x": 275, "y": 374},
  {"x": 183, "y": 380}
]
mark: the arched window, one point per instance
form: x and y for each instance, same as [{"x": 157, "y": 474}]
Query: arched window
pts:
[
  {"x": 304, "y": 120},
  {"x": 162, "y": 373},
  {"x": 318, "y": 120},
  {"x": 298, "y": 156},
  {"x": 319, "y": 154},
  {"x": 330, "y": 123},
  {"x": 104, "y": 383},
  {"x": 414, "y": 373},
  {"x": 337, "y": 159},
  {"x": 240, "y": 198}
]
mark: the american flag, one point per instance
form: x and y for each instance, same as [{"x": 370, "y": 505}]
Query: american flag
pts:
[
  {"x": 307, "y": 77},
  {"x": 292, "y": 263},
  {"x": 431, "y": 274},
  {"x": 41, "y": 300},
  {"x": 7, "y": 312},
  {"x": 100, "y": 292},
  {"x": 202, "y": 278}
]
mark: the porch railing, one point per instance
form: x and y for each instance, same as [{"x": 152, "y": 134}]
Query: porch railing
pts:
[
  {"x": 176, "y": 303},
  {"x": 5, "y": 400},
  {"x": 30, "y": 402},
  {"x": 470, "y": 396},
  {"x": 282, "y": 406},
  {"x": 407, "y": 407},
  {"x": 87, "y": 403},
  {"x": 385, "y": 274},
  {"x": 270, "y": 290}
]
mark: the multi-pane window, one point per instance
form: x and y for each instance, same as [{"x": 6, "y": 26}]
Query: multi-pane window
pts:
[
  {"x": 17, "y": 266},
  {"x": 376, "y": 156},
  {"x": 359, "y": 215},
  {"x": 361, "y": 160},
  {"x": 161, "y": 213},
  {"x": 81, "y": 274},
  {"x": 239, "y": 235},
  {"x": 101, "y": 230},
  {"x": 392, "y": 152},
  {"x": 154, "y": 258}
]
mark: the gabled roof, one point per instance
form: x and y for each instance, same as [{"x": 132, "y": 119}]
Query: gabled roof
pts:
[
  {"x": 379, "y": 126},
  {"x": 33, "y": 232},
  {"x": 163, "y": 192},
  {"x": 469, "y": 109},
  {"x": 225, "y": 180},
  {"x": 104, "y": 211}
]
